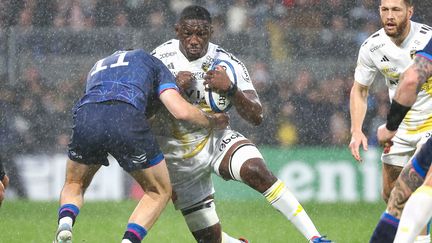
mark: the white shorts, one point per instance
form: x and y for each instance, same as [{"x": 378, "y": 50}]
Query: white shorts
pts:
[
  {"x": 191, "y": 178},
  {"x": 404, "y": 146}
]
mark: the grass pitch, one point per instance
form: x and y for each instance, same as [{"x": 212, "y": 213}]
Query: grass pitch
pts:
[{"x": 100, "y": 222}]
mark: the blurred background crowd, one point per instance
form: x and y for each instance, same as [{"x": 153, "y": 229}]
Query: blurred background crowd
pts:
[{"x": 301, "y": 55}]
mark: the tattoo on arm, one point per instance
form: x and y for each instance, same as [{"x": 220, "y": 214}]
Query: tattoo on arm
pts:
[
  {"x": 407, "y": 182},
  {"x": 423, "y": 67}
]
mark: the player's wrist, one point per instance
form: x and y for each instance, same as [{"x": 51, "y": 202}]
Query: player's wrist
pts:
[
  {"x": 232, "y": 90},
  {"x": 210, "y": 118},
  {"x": 396, "y": 115}
]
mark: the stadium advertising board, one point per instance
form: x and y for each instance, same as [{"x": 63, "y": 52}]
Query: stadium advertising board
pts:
[{"x": 313, "y": 174}]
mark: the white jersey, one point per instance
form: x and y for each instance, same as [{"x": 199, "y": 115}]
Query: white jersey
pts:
[
  {"x": 194, "y": 153},
  {"x": 193, "y": 138},
  {"x": 379, "y": 54}
]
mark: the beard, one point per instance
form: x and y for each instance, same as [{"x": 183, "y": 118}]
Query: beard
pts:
[{"x": 398, "y": 31}]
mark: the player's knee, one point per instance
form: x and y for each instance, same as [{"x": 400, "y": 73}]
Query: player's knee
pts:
[
  {"x": 201, "y": 215},
  {"x": 247, "y": 158}
]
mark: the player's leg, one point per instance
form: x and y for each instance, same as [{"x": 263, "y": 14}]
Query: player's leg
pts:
[
  {"x": 418, "y": 210},
  {"x": 157, "y": 192},
  {"x": 390, "y": 173},
  {"x": 243, "y": 162},
  {"x": 411, "y": 177},
  {"x": 204, "y": 223},
  {"x": 400, "y": 154},
  {"x": 404, "y": 186},
  {"x": 78, "y": 178}
]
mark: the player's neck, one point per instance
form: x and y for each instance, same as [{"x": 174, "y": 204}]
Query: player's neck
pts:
[{"x": 400, "y": 39}]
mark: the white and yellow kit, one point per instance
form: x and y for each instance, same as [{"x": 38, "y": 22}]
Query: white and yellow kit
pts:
[
  {"x": 193, "y": 153},
  {"x": 379, "y": 54}
]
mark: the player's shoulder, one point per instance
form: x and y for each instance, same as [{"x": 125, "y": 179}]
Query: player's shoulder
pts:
[
  {"x": 221, "y": 54},
  {"x": 379, "y": 38},
  {"x": 166, "y": 47},
  {"x": 421, "y": 31}
]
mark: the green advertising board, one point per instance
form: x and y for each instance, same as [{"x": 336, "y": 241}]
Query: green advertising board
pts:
[{"x": 316, "y": 174}]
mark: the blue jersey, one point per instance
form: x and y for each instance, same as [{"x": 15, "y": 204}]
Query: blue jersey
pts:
[
  {"x": 134, "y": 77},
  {"x": 427, "y": 51}
]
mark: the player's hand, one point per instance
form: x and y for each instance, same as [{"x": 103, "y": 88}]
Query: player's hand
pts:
[
  {"x": 220, "y": 120},
  {"x": 3, "y": 185},
  {"x": 217, "y": 80},
  {"x": 384, "y": 137},
  {"x": 184, "y": 79},
  {"x": 358, "y": 139}
]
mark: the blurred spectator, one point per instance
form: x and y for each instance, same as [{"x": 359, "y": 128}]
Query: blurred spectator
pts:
[
  {"x": 296, "y": 40},
  {"x": 237, "y": 17},
  {"x": 10, "y": 139},
  {"x": 364, "y": 13}
]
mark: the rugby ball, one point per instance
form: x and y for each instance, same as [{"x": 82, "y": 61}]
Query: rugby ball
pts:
[{"x": 220, "y": 102}]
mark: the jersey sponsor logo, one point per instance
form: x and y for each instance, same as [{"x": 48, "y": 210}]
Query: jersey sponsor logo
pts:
[
  {"x": 392, "y": 74},
  {"x": 376, "y": 47},
  {"x": 166, "y": 55},
  {"x": 170, "y": 66},
  {"x": 138, "y": 159},
  {"x": 224, "y": 143}
]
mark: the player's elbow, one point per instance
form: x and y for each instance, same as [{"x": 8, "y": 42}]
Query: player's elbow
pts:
[
  {"x": 258, "y": 120},
  {"x": 410, "y": 80},
  {"x": 182, "y": 114}
]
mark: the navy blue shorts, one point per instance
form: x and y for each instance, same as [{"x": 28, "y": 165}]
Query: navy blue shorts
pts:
[{"x": 116, "y": 128}]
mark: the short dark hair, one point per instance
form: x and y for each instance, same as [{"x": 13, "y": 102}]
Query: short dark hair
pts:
[
  {"x": 195, "y": 12},
  {"x": 409, "y": 2}
]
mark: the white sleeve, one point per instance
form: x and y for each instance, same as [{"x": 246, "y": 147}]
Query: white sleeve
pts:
[
  {"x": 244, "y": 81},
  {"x": 366, "y": 70}
]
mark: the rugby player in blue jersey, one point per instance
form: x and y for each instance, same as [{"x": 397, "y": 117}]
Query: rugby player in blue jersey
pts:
[
  {"x": 416, "y": 177},
  {"x": 122, "y": 91}
]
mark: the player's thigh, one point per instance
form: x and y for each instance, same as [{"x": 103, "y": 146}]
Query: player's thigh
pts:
[
  {"x": 404, "y": 146},
  {"x": 80, "y": 173},
  {"x": 390, "y": 173},
  {"x": 154, "y": 177}
]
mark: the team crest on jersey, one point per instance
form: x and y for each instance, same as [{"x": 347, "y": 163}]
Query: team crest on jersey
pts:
[
  {"x": 206, "y": 66},
  {"x": 412, "y": 53}
]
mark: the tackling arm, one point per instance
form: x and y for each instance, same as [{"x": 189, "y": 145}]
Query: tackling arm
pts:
[{"x": 182, "y": 110}]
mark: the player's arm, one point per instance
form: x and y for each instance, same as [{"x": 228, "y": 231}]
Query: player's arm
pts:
[
  {"x": 410, "y": 84},
  {"x": 412, "y": 80},
  {"x": 246, "y": 102},
  {"x": 358, "y": 108},
  {"x": 182, "y": 110}
]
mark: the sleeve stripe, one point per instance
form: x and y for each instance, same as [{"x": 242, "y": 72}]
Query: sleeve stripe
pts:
[
  {"x": 425, "y": 55},
  {"x": 166, "y": 86}
]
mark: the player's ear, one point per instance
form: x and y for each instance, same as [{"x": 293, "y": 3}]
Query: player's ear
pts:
[
  {"x": 177, "y": 29},
  {"x": 410, "y": 12}
]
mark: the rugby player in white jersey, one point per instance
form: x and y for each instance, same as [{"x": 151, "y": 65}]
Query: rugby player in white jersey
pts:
[
  {"x": 194, "y": 153},
  {"x": 390, "y": 51}
]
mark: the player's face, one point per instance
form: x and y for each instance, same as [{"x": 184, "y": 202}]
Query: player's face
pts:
[
  {"x": 395, "y": 16},
  {"x": 194, "y": 36}
]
